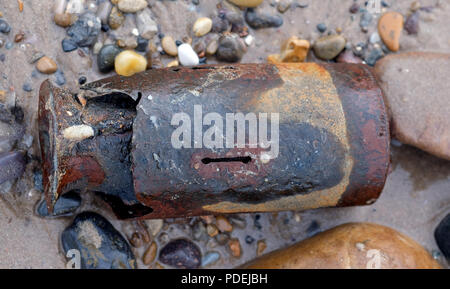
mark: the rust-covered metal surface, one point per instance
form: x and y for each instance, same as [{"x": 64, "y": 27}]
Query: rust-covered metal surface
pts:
[{"x": 333, "y": 147}]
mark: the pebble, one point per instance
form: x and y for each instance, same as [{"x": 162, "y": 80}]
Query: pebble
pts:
[
  {"x": 328, "y": 47},
  {"x": 202, "y": 26},
  {"x": 321, "y": 27},
  {"x": 187, "y": 55},
  {"x": 9, "y": 45},
  {"x": 150, "y": 254},
  {"x": 131, "y": 6},
  {"x": 116, "y": 18},
  {"x": 210, "y": 258},
  {"x": 4, "y": 27},
  {"x": 365, "y": 20},
  {"x": 419, "y": 117},
  {"x": 442, "y": 236},
  {"x": 64, "y": 19},
  {"x": 223, "y": 224},
  {"x": 66, "y": 205},
  {"x": 284, "y": 6},
  {"x": 129, "y": 62},
  {"x": 147, "y": 27},
  {"x": 27, "y": 87},
  {"x": 246, "y": 3},
  {"x": 231, "y": 48},
  {"x": 136, "y": 240},
  {"x": 259, "y": 20},
  {"x": 249, "y": 39},
  {"x": 222, "y": 238},
  {"x": 75, "y": 6},
  {"x": 173, "y": 63},
  {"x": 390, "y": 27},
  {"x": 212, "y": 46},
  {"x": 85, "y": 30},
  {"x": 260, "y": 247},
  {"x": 374, "y": 38},
  {"x": 68, "y": 44},
  {"x": 142, "y": 44},
  {"x": 106, "y": 56},
  {"x": 181, "y": 253},
  {"x": 169, "y": 46},
  {"x": 199, "y": 231},
  {"x": 235, "y": 247},
  {"x": 82, "y": 80},
  {"x": 12, "y": 166},
  {"x": 354, "y": 8},
  {"x": 100, "y": 245},
  {"x": 292, "y": 50},
  {"x": 212, "y": 230},
  {"x": 19, "y": 37},
  {"x": 220, "y": 24},
  {"x": 412, "y": 23},
  {"x": 249, "y": 239},
  {"x": 46, "y": 65},
  {"x": 103, "y": 11},
  {"x": 313, "y": 228},
  {"x": 154, "y": 226},
  {"x": 348, "y": 57},
  {"x": 59, "y": 78},
  {"x": 59, "y": 6}
]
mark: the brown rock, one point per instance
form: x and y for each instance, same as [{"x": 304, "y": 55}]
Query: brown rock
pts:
[
  {"x": 260, "y": 247},
  {"x": 19, "y": 37},
  {"x": 223, "y": 224},
  {"x": 235, "y": 247},
  {"x": 136, "y": 240},
  {"x": 150, "y": 254},
  {"x": 64, "y": 19},
  {"x": 390, "y": 27},
  {"x": 354, "y": 245},
  {"x": 212, "y": 230},
  {"x": 292, "y": 50},
  {"x": 46, "y": 65},
  {"x": 416, "y": 87},
  {"x": 169, "y": 46},
  {"x": 116, "y": 18}
]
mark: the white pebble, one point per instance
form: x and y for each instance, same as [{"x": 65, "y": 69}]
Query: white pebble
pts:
[
  {"x": 78, "y": 132},
  {"x": 249, "y": 40},
  {"x": 187, "y": 55}
]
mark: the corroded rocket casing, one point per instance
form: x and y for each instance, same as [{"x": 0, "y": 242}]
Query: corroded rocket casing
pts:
[{"x": 331, "y": 127}]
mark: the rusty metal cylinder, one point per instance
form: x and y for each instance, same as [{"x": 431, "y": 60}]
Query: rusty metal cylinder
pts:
[{"x": 189, "y": 141}]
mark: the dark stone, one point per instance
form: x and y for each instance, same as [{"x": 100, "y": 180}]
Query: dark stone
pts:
[
  {"x": 68, "y": 45},
  {"x": 354, "y": 8},
  {"x": 60, "y": 79},
  {"x": 142, "y": 44},
  {"x": 321, "y": 27},
  {"x": 27, "y": 87},
  {"x": 4, "y": 27},
  {"x": 18, "y": 114},
  {"x": 178, "y": 42},
  {"x": 2, "y": 57},
  {"x": 82, "y": 80},
  {"x": 231, "y": 48},
  {"x": 365, "y": 20},
  {"x": 181, "y": 253},
  {"x": 106, "y": 56},
  {"x": 374, "y": 56},
  {"x": 105, "y": 27},
  {"x": 66, "y": 205},
  {"x": 412, "y": 23},
  {"x": 256, "y": 222},
  {"x": 219, "y": 24},
  {"x": 202, "y": 60},
  {"x": 262, "y": 20},
  {"x": 313, "y": 229},
  {"x": 85, "y": 30},
  {"x": 12, "y": 165},
  {"x": 100, "y": 245},
  {"x": 249, "y": 239},
  {"x": 442, "y": 236}
]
